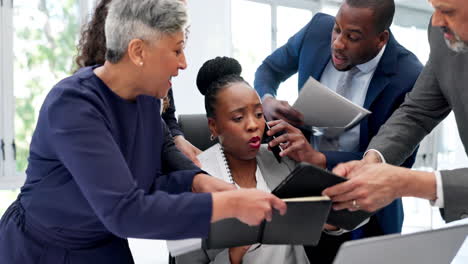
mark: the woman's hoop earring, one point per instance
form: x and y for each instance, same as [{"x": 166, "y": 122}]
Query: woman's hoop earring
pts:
[{"x": 212, "y": 138}]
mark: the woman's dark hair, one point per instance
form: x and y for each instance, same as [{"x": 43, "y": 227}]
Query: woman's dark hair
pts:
[
  {"x": 92, "y": 44},
  {"x": 215, "y": 75}
]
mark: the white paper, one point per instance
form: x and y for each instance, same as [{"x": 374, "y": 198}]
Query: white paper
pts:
[{"x": 323, "y": 107}]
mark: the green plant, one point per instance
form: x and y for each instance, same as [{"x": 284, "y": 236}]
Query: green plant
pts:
[{"x": 47, "y": 45}]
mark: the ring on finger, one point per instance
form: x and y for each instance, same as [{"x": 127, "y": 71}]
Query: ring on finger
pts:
[{"x": 355, "y": 204}]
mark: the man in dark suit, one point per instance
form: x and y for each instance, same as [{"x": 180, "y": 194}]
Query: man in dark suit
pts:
[
  {"x": 358, "y": 40},
  {"x": 441, "y": 88}
]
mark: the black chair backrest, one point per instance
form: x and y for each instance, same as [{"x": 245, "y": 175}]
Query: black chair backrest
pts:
[{"x": 196, "y": 131}]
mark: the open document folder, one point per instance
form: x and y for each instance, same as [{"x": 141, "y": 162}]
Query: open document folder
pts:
[
  {"x": 301, "y": 225},
  {"x": 323, "y": 107}
]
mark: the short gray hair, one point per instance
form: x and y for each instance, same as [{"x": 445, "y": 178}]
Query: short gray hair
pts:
[{"x": 141, "y": 19}]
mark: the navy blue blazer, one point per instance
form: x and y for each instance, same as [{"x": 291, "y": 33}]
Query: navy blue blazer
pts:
[
  {"x": 308, "y": 53},
  {"x": 95, "y": 177}
]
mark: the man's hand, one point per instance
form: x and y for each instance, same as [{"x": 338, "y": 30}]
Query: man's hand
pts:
[
  {"x": 374, "y": 186},
  {"x": 347, "y": 168},
  {"x": 274, "y": 110},
  {"x": 344, "y": 169},
  {"x": 188, "y": 149},
  {"x": 294, "y": 144},
  {"x": 203, "y": 183}
]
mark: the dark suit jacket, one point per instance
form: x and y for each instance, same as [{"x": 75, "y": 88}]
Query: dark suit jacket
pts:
[
  {"x": 308, "y": 53},
  {"x": 441, "y": 88},
  {"x": 173, "y": 158},
  {"x": 169, "y": 116}
]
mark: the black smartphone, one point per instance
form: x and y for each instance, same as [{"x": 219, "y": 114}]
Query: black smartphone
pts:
[{"x": 266, "y": 139}]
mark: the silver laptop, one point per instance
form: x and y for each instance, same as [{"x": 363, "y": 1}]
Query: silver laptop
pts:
[{"x": 429, "y": 247}]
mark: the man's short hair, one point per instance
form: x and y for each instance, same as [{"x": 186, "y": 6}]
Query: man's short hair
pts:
[{"x": 384, "y": 10}]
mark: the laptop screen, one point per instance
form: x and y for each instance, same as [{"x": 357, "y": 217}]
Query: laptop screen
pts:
[{"x": 429, "y": 247}]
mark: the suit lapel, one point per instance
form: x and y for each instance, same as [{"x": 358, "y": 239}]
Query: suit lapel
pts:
[
  {"x": 273, "y": 172},
  {"x": 380, "y": 81},
  {"x": 386, "y": 67},
  {"x": 323, "y": 58},
  {"x": 317, "y": 61}
]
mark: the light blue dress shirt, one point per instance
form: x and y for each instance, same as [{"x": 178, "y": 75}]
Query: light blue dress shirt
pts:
[{"x": 349, "y": 141}]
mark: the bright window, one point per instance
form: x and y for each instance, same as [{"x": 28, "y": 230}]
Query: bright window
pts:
[
  {"x": 258, "y": 28},
  {"x": 290, "y": 21},
  {"x": 45, "y": 37},
  {"x": 40, "y": 52},
  {"x": 251, "y": 38}
]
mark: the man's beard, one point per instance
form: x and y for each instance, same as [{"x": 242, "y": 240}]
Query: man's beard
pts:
[{"x": 458, "y": 45}]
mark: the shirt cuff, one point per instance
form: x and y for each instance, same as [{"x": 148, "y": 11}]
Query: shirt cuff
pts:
[
  {"x": 341, "y": 231},
  {"x": 266, "y": 96},
  {"x": 338, "y": 232},
  {"x": 378, "y": 152},
  {"x": 439, "y": 201}
]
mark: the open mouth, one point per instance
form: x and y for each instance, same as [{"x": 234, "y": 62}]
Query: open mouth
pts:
[
  {"x": 448, "y": 34},
  {"x": 339, "y": 59},
  {"x": 255, "y": 142}
]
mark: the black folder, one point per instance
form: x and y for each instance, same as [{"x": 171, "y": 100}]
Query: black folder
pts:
[
  {"x": 301, "y": 225},
  {"x": 309, "y": 180}
]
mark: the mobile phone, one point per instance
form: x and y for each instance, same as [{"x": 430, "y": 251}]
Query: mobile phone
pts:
[{"x": 266, "y": 139}]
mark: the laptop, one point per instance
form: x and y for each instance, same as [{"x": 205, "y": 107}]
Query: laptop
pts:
[{"x": 429, "y": 247}]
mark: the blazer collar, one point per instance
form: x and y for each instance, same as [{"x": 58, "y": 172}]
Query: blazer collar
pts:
[
  {"x": 388, "y": 62},
  {"x": 386, "y": 67},
  {"x": 372, "y": 64},
  {"x": 273, "y": 172},
  {"x": 322, "y": 59}
]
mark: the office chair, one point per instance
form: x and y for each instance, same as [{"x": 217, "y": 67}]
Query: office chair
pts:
[{"x": 195, "y": 129}]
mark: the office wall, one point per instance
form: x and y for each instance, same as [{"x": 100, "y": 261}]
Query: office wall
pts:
[{"x": 209, "y": 37}]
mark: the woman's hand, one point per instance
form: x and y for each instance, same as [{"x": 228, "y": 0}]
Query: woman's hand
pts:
[
  {"x": 188, "y": 149},
  {"x": 237, "y": 253},
  {"x": 250, "y": 206},
  {"x": 203, "y": 183},
  {"x": 294, "y": 144}
]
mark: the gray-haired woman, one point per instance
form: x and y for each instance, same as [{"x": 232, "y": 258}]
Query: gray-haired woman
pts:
[{"x": 94, "y": 175}]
